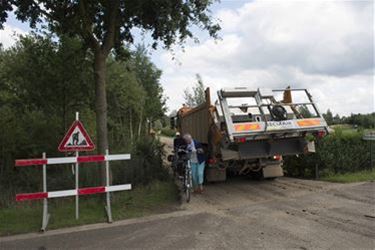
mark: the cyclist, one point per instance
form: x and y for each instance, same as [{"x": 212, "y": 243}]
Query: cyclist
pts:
[
  {"x": 197, "y": 161},
  {"x": 178, "y": 141}
]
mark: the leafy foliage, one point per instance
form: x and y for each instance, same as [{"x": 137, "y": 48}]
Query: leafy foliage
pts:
[
  {"x": 196, "y": 96},
  {"x": 108, "y": 25},
  {"x": 357, "y": 120},
  {"x": 39, "y": 94},
  {"x": 148, "y": 75},
  {"x": 328, "y": 116},
  {"x": 304, "y": 111},
  {"x": 337, "y": 153}
]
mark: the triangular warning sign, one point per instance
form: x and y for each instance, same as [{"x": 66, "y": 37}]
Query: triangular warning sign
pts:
[{"x": 76, "y": 139}]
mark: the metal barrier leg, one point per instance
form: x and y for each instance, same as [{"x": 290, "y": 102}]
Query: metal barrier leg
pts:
[
  {"x": 108, "y": 195},
  {"x": 45, "y": 200}
]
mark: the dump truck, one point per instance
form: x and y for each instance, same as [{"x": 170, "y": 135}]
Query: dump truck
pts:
[{"x": 247, "y": 132}]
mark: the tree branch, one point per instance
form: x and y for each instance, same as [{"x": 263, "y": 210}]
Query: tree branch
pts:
[
  {"x": 86, "y": 30},
  {"x": 112, "y": 14}
]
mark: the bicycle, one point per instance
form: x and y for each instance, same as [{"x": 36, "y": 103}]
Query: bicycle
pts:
[{"x": 183, "y": 162}]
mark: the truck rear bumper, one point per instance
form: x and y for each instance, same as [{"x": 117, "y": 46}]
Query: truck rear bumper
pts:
[
  {"x": 269, "y": 148},
  {"x": 214, "y": 174}
]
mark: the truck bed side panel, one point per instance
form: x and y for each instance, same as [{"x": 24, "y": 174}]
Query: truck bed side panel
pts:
[{"x": 196, "y": 123}]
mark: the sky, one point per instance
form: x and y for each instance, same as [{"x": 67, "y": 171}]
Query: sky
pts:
[{"x": 325, "y": 46}]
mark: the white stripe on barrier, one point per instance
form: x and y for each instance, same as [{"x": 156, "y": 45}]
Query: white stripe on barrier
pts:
[
  {"x": 61, "y": 160},
  {"x": 117, "y": 157},
  {"x": 67, "y": 160},
  {"x": 118, "y": 188},
  {"x": 55, "y": 194},
  {"x": 73, "y": 192}
]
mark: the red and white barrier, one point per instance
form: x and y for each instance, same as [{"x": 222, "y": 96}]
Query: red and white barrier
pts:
[
  {"x": 72, "y": 192},
  {"x": 67, "y": 160}
]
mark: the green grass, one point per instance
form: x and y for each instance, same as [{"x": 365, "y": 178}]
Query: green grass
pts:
[
  {"x": 26, "y": 217},
  {"x": 367, "y": 175}
]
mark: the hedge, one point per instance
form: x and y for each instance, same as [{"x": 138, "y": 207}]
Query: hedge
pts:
[{"x": 340, "y": 152}]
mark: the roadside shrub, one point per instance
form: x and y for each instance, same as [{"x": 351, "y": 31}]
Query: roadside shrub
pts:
[
  {"x": 168, "y": 132},
  {"x": 145, "y": 166},
  {"x": 337, "y": 153}
]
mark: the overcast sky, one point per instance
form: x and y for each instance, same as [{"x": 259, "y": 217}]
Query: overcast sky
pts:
[{"x": 325, "y": 46}]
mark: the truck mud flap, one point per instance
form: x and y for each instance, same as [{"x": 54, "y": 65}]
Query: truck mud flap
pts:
[
  {"x": 214, "y": 174},
  {"x": 267, "y": 148},
  {"x": 272, "y": 171}
]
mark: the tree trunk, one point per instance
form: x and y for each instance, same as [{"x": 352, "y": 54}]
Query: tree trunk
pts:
[
  {"x": 131, "y": 126},
  {"x": 101, "y": 107},
  {"x": 140, "y": 124}
]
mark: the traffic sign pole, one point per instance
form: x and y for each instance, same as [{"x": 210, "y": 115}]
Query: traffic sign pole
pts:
[
  {"x": 77, "y": 187},
  {"x": 77, "y": 177}
]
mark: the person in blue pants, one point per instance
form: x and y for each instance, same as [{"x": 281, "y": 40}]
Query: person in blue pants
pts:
[{"x": 197, "y": 161}]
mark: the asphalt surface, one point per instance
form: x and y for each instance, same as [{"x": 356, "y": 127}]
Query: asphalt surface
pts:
[{"x": 240, "y": 214}]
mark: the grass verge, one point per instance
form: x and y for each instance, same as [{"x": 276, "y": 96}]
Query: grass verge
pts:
[
  {"x": 366, "y": 175},
  {"x": 26, "y": 217}
]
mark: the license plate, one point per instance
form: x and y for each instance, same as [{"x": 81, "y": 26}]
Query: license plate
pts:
[{"x": 280, "y": 125}]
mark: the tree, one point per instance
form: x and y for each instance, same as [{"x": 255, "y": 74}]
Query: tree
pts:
[
  {"x": 336, "y": 119},
  {"x": 362, "y": 120},
  {"x": 149, "y": 77},
  {"x": 328, "y": 117},
  {"x": 196, "y": 96},
  {"x": 304, "y": 111},
  {"x": 107, "y": 25},
  {"x": 39, "y": 92}
]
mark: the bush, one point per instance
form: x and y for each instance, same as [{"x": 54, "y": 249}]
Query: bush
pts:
[
  {"x": 168, "y": 132},
  {"x": 145, "y": 166},
  {"x": 337, "y": 153}
]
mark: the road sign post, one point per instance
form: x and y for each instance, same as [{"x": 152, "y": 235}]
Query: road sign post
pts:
[
  {"x": 77, "y": 186},
  {"x": 77, "y": 177},
  {"x": 76, "y": 140}
]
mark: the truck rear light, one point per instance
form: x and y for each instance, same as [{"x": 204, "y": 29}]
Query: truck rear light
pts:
[
  {"x": 277, "y": 157},
  {"x": 241, "y": 140},
  {"x": 320, "y": 134},
  {"x": 211, "y": 161}
]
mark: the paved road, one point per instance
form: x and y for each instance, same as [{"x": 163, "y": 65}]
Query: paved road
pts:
[
  {"x": 285, "y": 213},
  {"x": 240, "y": 214}
]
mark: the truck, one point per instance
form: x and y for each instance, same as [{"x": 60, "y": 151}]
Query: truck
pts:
[{"x": 247, "y": 131}]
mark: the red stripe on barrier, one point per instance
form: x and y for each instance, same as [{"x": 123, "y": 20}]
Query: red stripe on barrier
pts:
[
  {"x": 91, "y": 158},
  {"x": 31, "y": 196},
  {"x": 30, "y": 162},
  {"x": 91, "y": 190}
]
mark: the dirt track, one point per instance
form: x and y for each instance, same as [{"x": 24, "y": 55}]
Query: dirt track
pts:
[{"x": 285, "y": 213}]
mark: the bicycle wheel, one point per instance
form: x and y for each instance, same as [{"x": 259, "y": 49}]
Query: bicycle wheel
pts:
[{"x": 187, "y": 183}]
